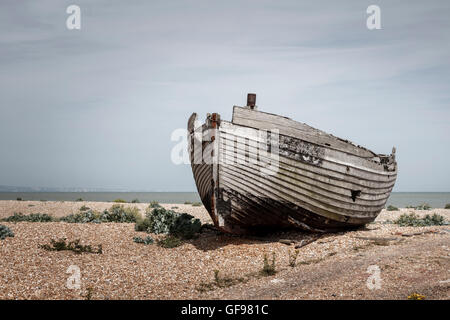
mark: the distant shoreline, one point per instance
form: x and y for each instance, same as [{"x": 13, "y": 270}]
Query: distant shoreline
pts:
[
  {"x": 145, "y": 197},
  {"x": 398, "y": 199}
]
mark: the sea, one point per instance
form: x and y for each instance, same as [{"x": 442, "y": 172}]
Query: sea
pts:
[{"x": 398, "y": 199}]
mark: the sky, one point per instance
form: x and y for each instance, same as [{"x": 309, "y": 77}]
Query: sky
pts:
[{"x": 96, "y": 107}]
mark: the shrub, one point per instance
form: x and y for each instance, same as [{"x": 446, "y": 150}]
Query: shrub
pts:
[
  {"x": 84, "y": 208},
  {"x": 135, "y": 201},
  {"x": 154, "y": 204},
  {"x": 146, "y": 241},
  {"x": 143, "y": 225},
  {"x": 197, "y": 204},
  {"x": 423, "y": 206},
  {"x": 160, "y": 220},
  {"x": 19, "y": 199},
  {"x": 413, "y": 220},
  {"x": 392, "y": 208},
  {"x": 434, "y": 220},
  {"x": 33, "y": 217},
  {"x": 188, "y": 202},
  {"x": 89, "y": 293},
  {"x": 447, "y": 206},
  {"x": 222, "y": 282},
  {"x": 83, "y": 217},
  {"x": 120, "y": 201},
  {"x": 5, "y": 232},
  {"x": 185, "y": 226},
  {"x": 75, "y": 246},
  {"x": 293, "y": 258},
  {"x": 169, "y": 242},
  {"x": 79, "y": 200},
  {"x": 268, "y": 268},
  {"x": 117, "y": 213}
]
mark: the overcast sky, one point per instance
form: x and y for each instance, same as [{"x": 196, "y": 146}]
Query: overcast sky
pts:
[{"x": 96, "y": 107}]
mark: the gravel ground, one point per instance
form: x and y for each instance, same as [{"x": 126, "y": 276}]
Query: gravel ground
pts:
[{"x": 332, "y": 266}]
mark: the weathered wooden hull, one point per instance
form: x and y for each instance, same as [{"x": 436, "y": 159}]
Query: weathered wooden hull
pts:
[{"x": 317, "y": 183}]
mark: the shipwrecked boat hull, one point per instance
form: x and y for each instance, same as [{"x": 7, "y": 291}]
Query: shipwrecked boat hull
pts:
[{"x": 312, "y": 180}]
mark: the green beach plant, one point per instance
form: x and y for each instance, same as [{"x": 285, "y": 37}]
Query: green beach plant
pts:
[
  {"x": 268, "y": 268},
  {"x": 75, "y": 246},
  {"x": 89, "y": 216},
  {"x": 143, "y": 225},
  {"x": 5, "y": 232},
  {"x": 159, "y": 220},
  {"x": 391, "y": 208},
  {"x": 293, "y": 258},
  {"x": 32, "y": 217},
  {"x": 146, "y": 241},
  {"x": 89, "y": 293},
  {"x": 117, "y": 213},
  {"x": 185, "y": 226},
  {"x": 154, "y": 204},
  {"x": 413, "y": 220},
  {"x": 423, "y": 206},
  {"x": 169, "y": 241},
  {"x": 224, "y": 282}
]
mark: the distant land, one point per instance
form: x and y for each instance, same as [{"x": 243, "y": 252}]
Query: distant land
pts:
[
  {"x": 69, "y": 189},
  {"x": 398, "y": 199},
  {"x": 80, "y": 189}
]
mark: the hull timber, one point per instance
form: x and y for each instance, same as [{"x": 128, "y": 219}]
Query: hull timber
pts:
[{"x": 312, "y": 181}]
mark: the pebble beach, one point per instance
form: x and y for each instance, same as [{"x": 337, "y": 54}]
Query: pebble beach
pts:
[{"x": 327, "y": 266}]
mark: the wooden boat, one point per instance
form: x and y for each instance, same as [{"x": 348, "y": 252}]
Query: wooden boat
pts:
[{"x": 265, "y": 171}]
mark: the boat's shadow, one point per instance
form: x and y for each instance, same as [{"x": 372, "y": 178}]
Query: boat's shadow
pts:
[{"x": 212, "y": 239}]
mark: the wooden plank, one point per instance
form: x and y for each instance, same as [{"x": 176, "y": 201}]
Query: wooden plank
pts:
[
  {"x": 267, "y": 121},
  {"x": 347, "y": 164},
  {"x": 296, "y": 194},
  {"x": 323, "y": 177}
]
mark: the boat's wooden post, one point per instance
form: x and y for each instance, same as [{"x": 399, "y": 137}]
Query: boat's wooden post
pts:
[
  {"x": 251, "y": 100},
  {"x": 215, "y": 121}
]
